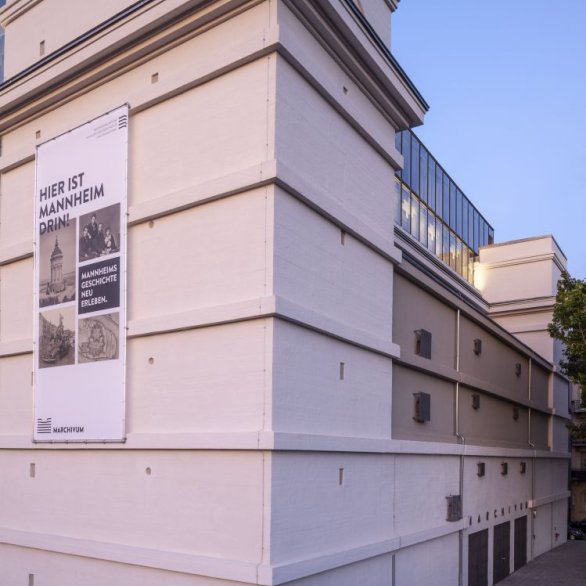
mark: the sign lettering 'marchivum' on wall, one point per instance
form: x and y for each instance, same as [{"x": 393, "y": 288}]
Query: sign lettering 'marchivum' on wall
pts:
[{"x": 80, "y": 282}]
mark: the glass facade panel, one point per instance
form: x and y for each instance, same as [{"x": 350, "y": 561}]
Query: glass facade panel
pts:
[
  {"x": 456, "y": 230},
  {"x": 398, "y": 136},
  {"x": 423, "y": 175},
  {"x": 398, "y": 202},
  {"x": 446, "y": 246},
  {"x": 470, "y": 238},
  {"x": 459, "y": 206},
  {"x": 405, "y": 210},
  {"x": 453, "y": 250},
  {"x": 446, "y": 199},
  {"x": 414, "y": 217},
  {"x": 423, "y": 225},
  {"x": 465, "y": 209},
  {"x": 415, "y": 165},
  {"x": 452, "y": 206},
  {"x": 438, "y": 191},
  {"x": 431, "y": 232},
  {"x": 465, "y": 254},
  {"x": 431, "y": 183},
  {"x": 406, "y": 150}
]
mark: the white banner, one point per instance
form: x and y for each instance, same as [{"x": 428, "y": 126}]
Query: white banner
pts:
[{"x": 80, "y": 282}]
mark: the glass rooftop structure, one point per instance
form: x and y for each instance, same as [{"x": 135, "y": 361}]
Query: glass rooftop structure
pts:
[{"x": 431, "y": 207}]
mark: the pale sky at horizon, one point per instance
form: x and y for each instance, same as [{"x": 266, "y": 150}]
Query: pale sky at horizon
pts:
[{"x": 506, "y": 85}]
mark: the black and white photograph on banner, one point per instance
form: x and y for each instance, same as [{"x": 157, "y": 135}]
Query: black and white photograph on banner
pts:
[
  {"x": 57, "y": 337},
  {"x": 99, "y": 233},
  {"x": 57, "y": 265},
  {"x": 98, "y": 338}
]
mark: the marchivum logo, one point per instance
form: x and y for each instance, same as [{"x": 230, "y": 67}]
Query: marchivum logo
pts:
[
  {"x": 122, "y": 121},
  {"x": 44, "y": 425},
  {"x": 68, "y": 429}
]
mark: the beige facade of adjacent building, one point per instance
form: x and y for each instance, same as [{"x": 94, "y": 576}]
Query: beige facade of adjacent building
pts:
[{"x": 272, "y": 318}]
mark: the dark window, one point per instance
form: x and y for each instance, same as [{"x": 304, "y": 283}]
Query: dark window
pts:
[
  {"x": 422, "y": 407},
  {"x": 475, "y": 401},
  {"x": 504, "y": 468},
  {"x": 477, "y": 346},
  {"x": 481, "y": 469},
  {"x": 454, "y": 508},
  {"x": 423, "y": 343}
]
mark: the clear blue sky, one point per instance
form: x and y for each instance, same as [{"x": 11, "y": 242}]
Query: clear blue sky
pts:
[{"x": 506, "y": 85}]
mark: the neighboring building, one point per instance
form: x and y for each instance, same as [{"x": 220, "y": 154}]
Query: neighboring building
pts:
[
  {"x": 578, "y": 465},
  {"x": 316, "y": 391}
]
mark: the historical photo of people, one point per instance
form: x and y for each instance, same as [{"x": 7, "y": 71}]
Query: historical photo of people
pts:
[
  {"x": 99, "y": 233},
  {"x": 57, "y": 265},
  {"x": 98, "y": 338},
  {"x": 57, "y": 337}
]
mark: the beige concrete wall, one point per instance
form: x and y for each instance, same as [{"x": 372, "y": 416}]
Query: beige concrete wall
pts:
[
  {"x": 406, "y": 382},
  {"x": 111, "y": 497},
  {"x": 311, "y": 394},
  {"x": 540, "y": 437},
  {"x": 540, "y": 380},
  {"x": 55, "y": 22},
  {"x": 495, "y": 364},
  {"x": 493, "y": 422},
  {"x": 420, "y": 310},
  {"x": 18, "y": 563}
]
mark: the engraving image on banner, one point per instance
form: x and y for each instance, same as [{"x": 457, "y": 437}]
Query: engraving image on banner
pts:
[{"x": 80, "y": 282}]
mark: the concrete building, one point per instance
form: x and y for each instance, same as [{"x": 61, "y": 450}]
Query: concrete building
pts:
[{"x": 314, "y": 395}]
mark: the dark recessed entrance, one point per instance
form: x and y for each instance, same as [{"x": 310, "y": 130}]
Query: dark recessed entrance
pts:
[
  {"x": 501, "y": 561},
  {"x": 478, "y": 558},
  {"x": 520, "y": 542}
]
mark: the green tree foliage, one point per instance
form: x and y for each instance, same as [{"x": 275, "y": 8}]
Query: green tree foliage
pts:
[{"x": 569, "y": 326}]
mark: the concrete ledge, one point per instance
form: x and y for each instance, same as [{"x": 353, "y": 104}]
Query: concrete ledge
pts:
[
  {"x": 560, "y": 496},
  {"x": 227, "y": 569}
]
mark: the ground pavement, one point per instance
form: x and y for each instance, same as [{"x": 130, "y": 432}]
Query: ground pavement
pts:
[{"x": 563, "y": 566}]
